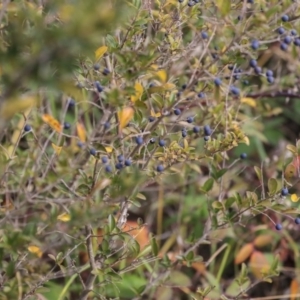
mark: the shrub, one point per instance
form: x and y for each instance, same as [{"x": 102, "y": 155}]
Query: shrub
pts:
[{"x": 141, "y": 167}]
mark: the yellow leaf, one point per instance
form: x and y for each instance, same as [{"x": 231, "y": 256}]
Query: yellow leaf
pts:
[
  {"x": 53, "y": 123},
  {"x": 154, "y": 67},
  {"x": 109, "y": 149},
  {"x": 294, "y": 198},
  {"x": 35, "y": 250},
  {"x": 57, "y": 149},
  {"x": 156, "y": 115},
  {"x": 12, "y": 106},
  {"x": 250, "y": 101},
  {"x": 100, "y": 52},
  {"x": 244, "y": 253},
  {"x": 162, "y": 75},
  {"x": 169, "y": 86},
  {"x": 64, "y": 217},
  {"x": 81, "y": 132},
  {"x": 125, "y": 116},
  {"x": 138, "y": 92}
]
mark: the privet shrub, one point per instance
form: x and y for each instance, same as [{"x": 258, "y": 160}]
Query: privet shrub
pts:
[{"x": 143, "y": 149}]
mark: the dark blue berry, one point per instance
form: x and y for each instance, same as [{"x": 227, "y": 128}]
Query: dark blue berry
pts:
[
  {"x": 239, "y": 18},
  {"x": 184, "y": 86},
  {"x": 191, "y": 3},
  {"x": 217, "y": 81},
  {"x": 243, "y": 156},
  {"x": 105, "y": 72},
  {"x": 128, "y": 162},
  {"x": 159, "y": 168},
  {"x": 230, "y": 67},
  {"x": 285, "y": 18},
  {"x": 180, "y": 1},
  {"x": 183, "y": 133},
  {"x": 71, "y": 103},
  {"x": 190, "y": 119},
  {"x": 98, "y": 86},
  {"x": 255, "y": 44},
  {"x": 284, "y": 192},
  {"x": 287, "y": 39},
  {"x": 67, "y": 125},
  {"x": 106, "y": 125},
  {"x": 281, "y": 30},
  {"x": 234, "y": 90},
  {"x": 139, "y": 140},
  {"x": 96, "y": 67},
  {"x": 80, "y": 144},
  {"x": 297, "y": 221},
  {"x": 104, "y": 159},
  {"x": 177, "y": 111},
  {"x": 270, "y": 79},
  {"x": 253, "y": 63},
  {"x": 27, "y": 127},
  {"x": 119, "y": 166},
  {"x": 93, "y": 151},
  {"x": 152, "y": 84},
  {"x": 269, "y": 73},
  {"x": 293, "y": 32},
  {"x": 207, "y": 130},
  {"x": 120, "y": 158},
  {"x": 257, "y": 70},
  {"x": 297, "y": 42},
  {"x": 152, "y": 140},
  {"x": 250, "y": 1},
  {"x": 206, "y": 138},
  {"x": 196, "y": 129},
  {"x": 201, "y": 95},
  {"x": 283, "y": 46},
  {"x": 108, "y": 168},
  {"x": 161, "y": 143},
  {"x": 204, "y": 35},
  {"x": 151, "y": 119},
  {"x": 278, "y": 227},
  {"x": 245, "y": 82}
]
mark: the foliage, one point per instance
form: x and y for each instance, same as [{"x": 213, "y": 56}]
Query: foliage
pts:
[{"x": 141, "y": 149}]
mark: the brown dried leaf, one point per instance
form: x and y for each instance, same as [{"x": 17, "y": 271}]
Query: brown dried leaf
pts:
[
  {"x": 244, "y": 253},
  {"x": 263, "y": 240}
]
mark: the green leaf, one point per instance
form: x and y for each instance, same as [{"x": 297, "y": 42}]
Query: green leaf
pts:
[
  {"x": 258, "y": 172},
  {"x": 217, "y": 205},
  {"x": 208, "y": 185},
  {"x": 154, "y": 246},
  {"x": 224, "y": 6},
  {"x": 111, "y": 223},
  {"x": 272, "y": 186}
]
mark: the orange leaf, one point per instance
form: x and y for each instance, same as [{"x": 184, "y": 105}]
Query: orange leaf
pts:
[
  {"x": 53, "y": 123},
  {"x": 81, "y": 132},
  {"x": 294, "y": 289},
  {"x": 35, "y": 250},
  {"x": 140, "y": 234},
  {"x": 244, "y": 253},
  {"x": 263, "y": 240},
  {"x": 258, "y": 264},
  {"x": 125, "y": 116}
]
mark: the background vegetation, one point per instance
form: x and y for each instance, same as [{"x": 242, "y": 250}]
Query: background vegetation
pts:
[{"x": 149, "y": 149}]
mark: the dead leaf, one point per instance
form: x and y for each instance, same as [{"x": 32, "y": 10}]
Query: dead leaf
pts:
[
  {"x": 125, "y": 116},
  {"x": 81, "y": 132},
  {"x": 140, "y": 234},
  {"x": 263, "y": 240},
  {"x": 294, "y": 289},
  {"x": 258, "y": 264},
  {"x": 35, "y": 250},
  {"x": 244, "y": 253},
  {"x": 100, "y": 52},
  {"x": 52, "y": 122},
  {"x": 64, "y": 217}
]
